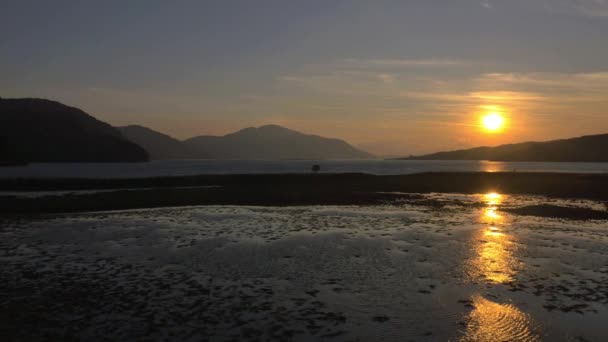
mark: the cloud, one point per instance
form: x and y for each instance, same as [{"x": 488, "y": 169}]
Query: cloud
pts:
[
  {"x": 438, "y": 96},
  {"x": 550, "y": 82},
  {"x": 362, "y": 88},
  {"x": 475, "y": 98},
  {"x": 386, "y": 78},
  {"x": 587, "y": 8},
  {"x": 597, "y": 76},
  {"x": 410, "y": 63},
  {"x": 592, "y": 8},
  {"x": 379, "y": 77},
  {"x": 507, "y": 96},
  {"x": 337, "y": 82},
  {"x": 421, "y": 96}
]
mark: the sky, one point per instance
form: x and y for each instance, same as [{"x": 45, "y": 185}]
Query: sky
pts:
[{"x": 391, "y": 77}]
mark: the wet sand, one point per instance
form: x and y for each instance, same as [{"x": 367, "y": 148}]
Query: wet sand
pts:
[{"x": 421, "y": 267}]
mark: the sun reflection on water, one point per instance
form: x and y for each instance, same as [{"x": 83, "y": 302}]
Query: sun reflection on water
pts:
[
  {"x": 491, "y": 321},
  {"x": 492, "y": 166},
  {"x": 492, "y": 214},
  {"x": 493, "y": 232},
  {"x": 493, "y": 198},
  {"x": 495, "y": 261}
]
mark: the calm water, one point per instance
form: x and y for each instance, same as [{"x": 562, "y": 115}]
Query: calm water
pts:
[{"x": 195, "y": 167}]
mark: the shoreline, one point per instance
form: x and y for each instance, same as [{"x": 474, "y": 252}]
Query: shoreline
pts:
[{"x": 287, "y": 189}]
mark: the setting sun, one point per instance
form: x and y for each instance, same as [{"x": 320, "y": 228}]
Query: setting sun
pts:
[{"x": 493, "y": 122}]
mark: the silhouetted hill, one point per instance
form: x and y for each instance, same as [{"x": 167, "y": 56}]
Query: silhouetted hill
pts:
[
  {"x": 591, "y": 148},
  {"x": 37, "y": 130},
  {"x": 274, "y": 142},
  {"x": 158, "y": 145}
]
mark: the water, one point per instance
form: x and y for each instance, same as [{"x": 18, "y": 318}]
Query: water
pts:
[
  {"x": 196, "y": 167},
  {"x": 396, "y": 272}
]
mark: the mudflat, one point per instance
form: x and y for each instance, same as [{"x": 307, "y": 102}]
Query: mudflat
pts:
[
  {"x": 77, "y": 195},
  {"x": 420, "y": 267}
]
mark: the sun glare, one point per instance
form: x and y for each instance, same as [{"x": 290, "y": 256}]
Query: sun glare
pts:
[
  {"x": 492, "y": 196},
  {"x": 493, "y": 122}
]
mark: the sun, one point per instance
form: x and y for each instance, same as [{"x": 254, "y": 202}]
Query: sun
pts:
[{"x": 493, "y": 122}]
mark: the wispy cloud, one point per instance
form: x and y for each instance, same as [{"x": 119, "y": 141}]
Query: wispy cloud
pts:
[
  {"x": 595, "y": 82},
  {"x": 507, "y": 96},
  {"x": 407, "y": 94},
  {"x": 475, "y": 97},
  {"x": 386, "y": 78},
  {"x": 588, "y": 8},
  {"x": 383, "y": 77},
  {"x": 592, "y": 8},
  {"x": 452, "y": 97},
  {"x": 410, "y": 63},
  {"x": 344, "y": 82},
  {"x": 435, "y": 96}
]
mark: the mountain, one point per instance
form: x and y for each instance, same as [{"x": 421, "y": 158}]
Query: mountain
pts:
[
  {"x": 591, "y": 148},
  {"x": 273, "y": 142},
  {"x": 158, "y": 145},
  {"x": 38, "y": 130},
  {"x": 266, "y": 142}
]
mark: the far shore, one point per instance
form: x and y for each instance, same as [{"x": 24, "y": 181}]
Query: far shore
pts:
[{"x": 286, "y": 189}]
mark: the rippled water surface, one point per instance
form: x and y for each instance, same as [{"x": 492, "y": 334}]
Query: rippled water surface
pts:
[{"x": 397, "y": 272}]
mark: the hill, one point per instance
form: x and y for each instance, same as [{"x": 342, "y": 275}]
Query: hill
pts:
[
  {"x": 158, "y": 145},
  {"x": 38, "y": 130},
  {"x": 273, "y": 142},
  {"x": 591, "y": 148}
]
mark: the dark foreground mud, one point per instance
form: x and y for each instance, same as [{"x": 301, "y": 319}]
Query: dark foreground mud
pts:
[
  {"x": 283, "y": 190},
  {"x": 555, "y": 211}
]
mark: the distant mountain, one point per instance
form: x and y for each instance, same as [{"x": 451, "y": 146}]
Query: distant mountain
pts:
[
  {"x": 37, "y": 130},
  {"x": 273, "y": 142},
  {"x": 158, "y": 145},
  {"x": 591, "y": 148},
  {"x": 266, "y": 142}
]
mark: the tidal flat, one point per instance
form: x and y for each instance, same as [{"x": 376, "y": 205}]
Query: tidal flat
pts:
[{"x": 422, "y": 267}]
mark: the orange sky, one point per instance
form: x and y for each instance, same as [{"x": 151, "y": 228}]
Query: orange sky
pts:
[{"x": 392, "y": 77}]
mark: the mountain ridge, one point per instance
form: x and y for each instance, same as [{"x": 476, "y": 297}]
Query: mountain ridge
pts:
[
  {"x": 587, "y": 148},
  {"x": 41, "y": 130},
  {"x": 158, "y": 145},
  {"x": 263, "y": 142}
]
